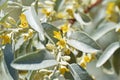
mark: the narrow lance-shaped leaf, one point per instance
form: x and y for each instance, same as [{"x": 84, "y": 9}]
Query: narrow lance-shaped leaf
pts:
[
  {"x": 34, "y": 22},
  {"x": 4, "y": 73},
  {"x": 78, "y": 72},
  {"x": 109, "y": 51},
  {"x": 116, "y": 61},
  {"x": 58, "y": 4},
  {"x": 3, "y": 4},
  {"x": 4, "y": 18},
  {"x": 103, "y": 30},
  {"x": 14, "y": 11},
  {"x": 19, "y": 43},
  {"x": 49, "y": 29},
  {"x": 34, "y": 61},
  {"x": 85, "y": 38},
  {"x": 81, "y": 46},
  {"x": 107, "y": 67},
  {"x": 82, "y": 18},
  {"x": 9, "y": 56},
  {"x": 27, "y": 2}
]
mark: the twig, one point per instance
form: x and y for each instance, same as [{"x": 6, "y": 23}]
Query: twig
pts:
[{"x": 92, "y": 6}]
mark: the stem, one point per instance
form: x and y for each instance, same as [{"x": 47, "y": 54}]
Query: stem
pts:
[
  {"x": 56, "y": 67},
  {"x": 92, "y": 6}
]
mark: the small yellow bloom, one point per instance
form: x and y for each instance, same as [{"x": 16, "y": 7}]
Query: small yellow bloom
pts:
[
  {"x": 87, "y": 58},
  {"x": 28, "y": 35},
  {"x": 65, "y": 28},
  {"x": 93, "y": 56},
  {"x": 61, "y": 43},
  {"x": 57, "y": 35},
  {"x": 63, "y": 69},
  {"x": 70, "y": 13},
  {"x": 110, "y": 8},
  {"x": 46, "y": 12},
  {"x": 83, "y": 64},
  {"x": 24, "y": 23},
  {"x": 67, "y": 51},
  {"x": 5, "y": 38}
]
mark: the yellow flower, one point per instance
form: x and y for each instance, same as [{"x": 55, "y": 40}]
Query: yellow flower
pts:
[
  {"x": 57, "y": 35},
  {"x": 24, "y": 23},
  {"x": 87, "y": 58},
  {"x": 70, "y": 12},
  {"x": 5, "y": 38},
  {"x": 110, "y": 8},
  {"x": 65, "y": 28},
  {"x": 61, "y": 43},
  {"x": 93, "y": 56},
  {"x": 67, "y": 51},
  {"x": 46, "y": 12},
  {"x": 28, "y": 35},
  {"x": 83, "y": 64},
  {"x": 63, "y": 69}
]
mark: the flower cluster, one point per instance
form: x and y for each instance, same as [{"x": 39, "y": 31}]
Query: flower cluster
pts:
[{"x": 58, "y": 35}]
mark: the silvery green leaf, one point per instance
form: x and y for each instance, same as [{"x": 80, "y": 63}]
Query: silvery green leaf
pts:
[
  {"x": 85, "y": 38},
  {"x": 117, "y": 27},
  {"x": 34, "y": 22},
  {"x": 4, "y": 73},
  {"x": 107, "y": 67},
  {"x": 14, "y": 11},
  {"x": 27, "y": 2},
  {"x": 108, "y": 38},
  {"x": 4, "y": 18},
  {"x": 78, "y": 72},
  {"x": 81, "y": 46},
  {"x": 68, "y": 76},
  {"x": 34, "y": 61},
  {"x": 19, "y": 43},
  {"x": 82, "y": 18},
  {"x": 102, "y": 30},
  {"x": 58, "y": 4},
  {"x": 116, "y": 61},
  {"x": 3, "y": 3},
  {"x": 109, "y": 51},
  {"x": 49, "y": 29},
  {"x": 9, "y": 56}
]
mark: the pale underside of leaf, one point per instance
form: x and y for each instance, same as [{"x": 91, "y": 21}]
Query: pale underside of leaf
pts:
[
  {"x": 78, "y": 72},
  {"x": 109, "y": 51},
  {"x": 37, "y": 66},
  {"x": 85, "y": 20},
  {"x": 81, "y": 46},
  {"x": 85, "y": 38},
  {"x": 103, "y": 30},
  {"x": 49, "y": 29},
  {"x": 34, "y": 22},
  {"x": 58, "y": 4},
  {"x": 34, "y": 61}
]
